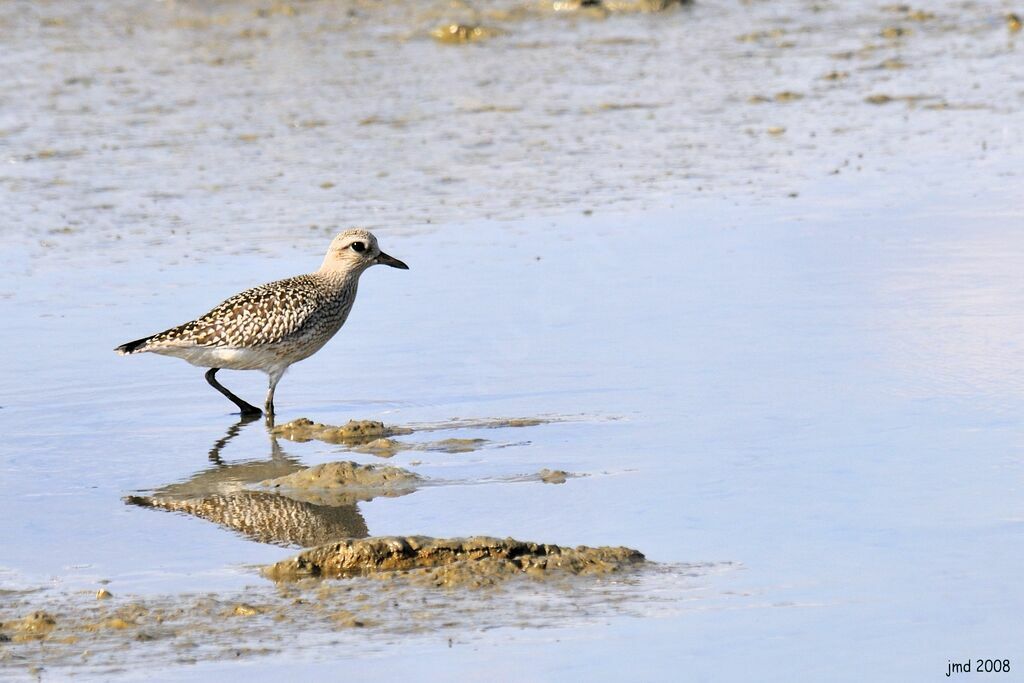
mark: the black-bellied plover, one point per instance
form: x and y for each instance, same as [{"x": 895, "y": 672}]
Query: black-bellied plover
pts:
[{"x": 274, "y": 325}]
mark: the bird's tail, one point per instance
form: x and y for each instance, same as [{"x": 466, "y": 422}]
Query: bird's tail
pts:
[{"x": 132, "y": 346}]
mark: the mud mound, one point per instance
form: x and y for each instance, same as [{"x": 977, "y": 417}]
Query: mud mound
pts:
[
  {"x": 355, "y": 432},
  {"x": 344, "y": 483},
  {"x": 36, "y": 626},
  {"x": 479, "y": 560},
  {"x": 345, "y": 474}
]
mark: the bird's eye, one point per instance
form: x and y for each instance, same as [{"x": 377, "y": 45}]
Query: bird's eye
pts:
[{"x": 358, "y": 247}]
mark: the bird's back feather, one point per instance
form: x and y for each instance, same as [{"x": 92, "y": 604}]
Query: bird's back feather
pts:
[{"x": 305, "y": 305}]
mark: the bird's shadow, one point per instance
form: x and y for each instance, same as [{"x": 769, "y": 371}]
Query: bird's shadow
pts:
[{"x": 223, "y": 493}]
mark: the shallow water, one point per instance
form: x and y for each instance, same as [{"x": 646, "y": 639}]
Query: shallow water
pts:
[
  {"x": 769, "y": 394},
  {"x": 813, "y": 399}
]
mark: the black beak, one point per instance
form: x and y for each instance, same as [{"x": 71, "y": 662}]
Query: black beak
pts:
[{"x": 386, "y": 260}]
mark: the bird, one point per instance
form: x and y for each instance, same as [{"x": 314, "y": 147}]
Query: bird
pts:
[{"x": 272, "y": 326}]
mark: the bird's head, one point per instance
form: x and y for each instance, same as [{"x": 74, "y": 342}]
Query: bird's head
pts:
[{"x": 355, "y": 251}]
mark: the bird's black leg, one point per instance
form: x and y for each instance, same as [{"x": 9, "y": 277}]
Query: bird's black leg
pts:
[{"x": 246, "y": 408}]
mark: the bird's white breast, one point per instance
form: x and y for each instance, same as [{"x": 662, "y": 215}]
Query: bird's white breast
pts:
[{"x": 224, "y": 357}]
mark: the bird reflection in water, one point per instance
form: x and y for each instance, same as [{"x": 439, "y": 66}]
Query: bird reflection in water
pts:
[{"x": 219, "y": 494}]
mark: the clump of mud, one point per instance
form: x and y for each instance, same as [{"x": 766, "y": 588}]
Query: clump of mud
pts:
[
  {"x": 355, "y": 432},
  {"x": 458, "y": 34},
  {"x": 554, "y": 476},
  {"x": 382, "y": 447},
  {"x": 476, "y": 561},
  {"x": 35, "y": 626},
  {"x": 345, "y": 474},
  {"x": 344, "y": 483},
  {"x": 375, "y": 438}
]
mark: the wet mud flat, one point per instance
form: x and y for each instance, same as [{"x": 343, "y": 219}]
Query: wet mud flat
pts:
[
  {"x": 50, "y": 632},
  {"x": 773, "y": 97}
]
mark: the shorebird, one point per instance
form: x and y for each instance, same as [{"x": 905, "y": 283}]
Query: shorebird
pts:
[{"x": 272, "y": 326}]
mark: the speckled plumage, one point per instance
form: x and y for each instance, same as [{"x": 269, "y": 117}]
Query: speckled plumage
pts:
[
  {"x": 274, "y": 325},
  {"x": 277, "y": 323}
]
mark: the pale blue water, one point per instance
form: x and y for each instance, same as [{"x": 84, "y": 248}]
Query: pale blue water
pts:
[{"x": 829, "y": 401}]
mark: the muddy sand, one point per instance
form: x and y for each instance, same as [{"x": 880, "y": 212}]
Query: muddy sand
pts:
[
  {"x": 451, "y": 562},
  {"x": 98, "y": 634},
  {"x": 348, "y": 476},
  {"x": 353, "y": 433},
  {"x": 372, "y": 436}
]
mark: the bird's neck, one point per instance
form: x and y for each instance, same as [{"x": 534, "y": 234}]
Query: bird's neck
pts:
[{"x": 340, "y": 280}]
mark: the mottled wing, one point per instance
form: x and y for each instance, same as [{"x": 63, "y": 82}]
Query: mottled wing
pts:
[{"x": 261, "y": 315}]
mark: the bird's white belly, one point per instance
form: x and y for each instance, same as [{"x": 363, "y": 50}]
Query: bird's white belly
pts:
[{"x": 229, "y": 358}]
